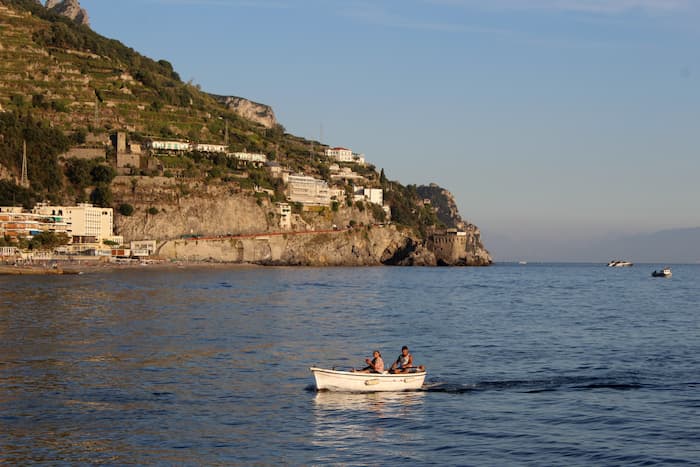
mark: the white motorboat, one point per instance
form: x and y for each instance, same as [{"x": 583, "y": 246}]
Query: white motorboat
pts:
[
  {"x": 349, "y": 381},
  {"x": 665, "y": 272},
  {"x": 619, "y": 264}
]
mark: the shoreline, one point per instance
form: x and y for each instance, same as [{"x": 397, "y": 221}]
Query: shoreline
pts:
[{"x": 64, "y": 267}]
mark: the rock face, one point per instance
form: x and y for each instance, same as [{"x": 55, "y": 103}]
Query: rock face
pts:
[
  {"x": 259, "y": 113},
  {"x": 357, "y": 247},
  {"x": 198, "y": 221},
  {"x": 212, "y": 212},
  {"x": 460, "y": 244},
  {"x": 70, "y": 9},
  {"x": 444, "y": 203}
]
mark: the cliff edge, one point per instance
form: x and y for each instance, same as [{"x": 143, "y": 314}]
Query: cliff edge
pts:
[
  {"x": 254, "y": 111},
  {"x": 71, "y": 9}
]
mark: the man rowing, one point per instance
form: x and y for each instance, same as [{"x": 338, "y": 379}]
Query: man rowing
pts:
[{"x": 404, "y": 364}]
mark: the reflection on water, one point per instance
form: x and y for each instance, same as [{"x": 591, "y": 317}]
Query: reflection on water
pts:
[
  {"x": 391, "y": 403},
  {"x": 356, "y": 424}
]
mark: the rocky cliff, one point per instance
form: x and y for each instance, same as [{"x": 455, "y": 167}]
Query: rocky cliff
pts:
[
  {"x": 259, "y": 113},
  {"x": 194, "y": 207},
  {"x": 362, "y": 246},
  {"x": 71, "y": 9},
  {"x": 198, "y": 221},
  {"x": 463, "y": 247},
  {"x": 444, "y": 204}
]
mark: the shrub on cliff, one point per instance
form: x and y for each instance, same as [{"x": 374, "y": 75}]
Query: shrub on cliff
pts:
[
  {"x": 102, "y": 196},
  {"x": 126, "y": 209}
]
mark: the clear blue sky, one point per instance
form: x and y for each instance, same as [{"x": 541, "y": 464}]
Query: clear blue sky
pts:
[{"x": 552, "y": 121}]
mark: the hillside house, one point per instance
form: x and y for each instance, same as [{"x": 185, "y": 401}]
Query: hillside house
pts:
[
  {"x": 308, "y": 190},
  {"x": 372, "y": 195}
]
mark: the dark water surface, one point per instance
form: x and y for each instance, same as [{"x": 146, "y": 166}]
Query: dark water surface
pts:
[{"x": 536, "y": 364}]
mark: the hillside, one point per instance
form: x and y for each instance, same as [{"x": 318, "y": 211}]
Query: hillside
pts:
[
  {"x": 69, "y": 75},
  {"x": 64, "y": 86}
]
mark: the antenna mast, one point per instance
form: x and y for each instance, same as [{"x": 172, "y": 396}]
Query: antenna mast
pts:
[{"x": 24, "y": 181}]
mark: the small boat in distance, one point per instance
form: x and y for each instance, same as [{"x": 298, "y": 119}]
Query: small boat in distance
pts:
[
  {"x": 665, "y": 272},
  {"x": 348, "y": 381},
  {"x": 619, "y": 264}
]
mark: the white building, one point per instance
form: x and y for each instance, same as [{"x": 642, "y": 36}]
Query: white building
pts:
[
  {"x": 85, "y": 222},
  {"x": 346, "y": 173},
  {"x": 16, "y": 223},
  {"x": 337, "y": 194},
  {"x": 339, "y": 154},
  {"x": 6, "y": 251},
  {"x": 308, "y": 190},
  {"x": 211, "y": 148},
  {"x": 285, "y": 213},
  {"x": 250, "y": 157},
  {"x": 178, "y": 146},
  {"x": 372, "y": 195},
  {"x": 143, "y": 247},
  {"x": 345, "y": 155}
]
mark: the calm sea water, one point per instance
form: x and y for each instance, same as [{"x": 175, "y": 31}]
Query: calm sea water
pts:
[{"x": 536, "y": 364}]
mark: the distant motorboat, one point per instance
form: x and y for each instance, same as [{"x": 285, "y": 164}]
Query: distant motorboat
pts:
[
  {"x": 619, "y": 264},
  {"x": 522, "y": 263},
  {"x": 665, "y": 272}
]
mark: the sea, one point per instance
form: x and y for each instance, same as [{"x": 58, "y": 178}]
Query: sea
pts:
[{"x": 537, "y": 364}]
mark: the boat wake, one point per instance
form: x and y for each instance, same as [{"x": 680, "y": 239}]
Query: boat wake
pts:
[{"x": 568, "y": 383}]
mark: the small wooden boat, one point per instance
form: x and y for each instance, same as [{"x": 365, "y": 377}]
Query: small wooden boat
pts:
[
  {"x": 348, "y": 381},
  {"x": 665, "y": 272}
]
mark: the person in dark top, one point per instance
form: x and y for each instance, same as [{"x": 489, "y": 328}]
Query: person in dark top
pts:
[{"x": 404, "y": 363}]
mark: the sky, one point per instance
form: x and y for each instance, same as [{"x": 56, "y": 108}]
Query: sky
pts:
[{"x": 555, "y": 123}]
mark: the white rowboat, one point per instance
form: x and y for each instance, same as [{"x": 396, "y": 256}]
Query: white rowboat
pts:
[{"x": 348, "y": 381}]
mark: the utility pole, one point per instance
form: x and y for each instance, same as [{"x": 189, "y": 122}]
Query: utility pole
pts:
[
  {"x": 97, "y": 110},
  {"x": 24, "y": 180}
]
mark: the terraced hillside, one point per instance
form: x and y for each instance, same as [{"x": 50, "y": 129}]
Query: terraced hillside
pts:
[{"x": 79, "y": 80}]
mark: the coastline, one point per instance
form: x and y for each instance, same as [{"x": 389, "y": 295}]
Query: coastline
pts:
[{"x": 63, "y": 267}]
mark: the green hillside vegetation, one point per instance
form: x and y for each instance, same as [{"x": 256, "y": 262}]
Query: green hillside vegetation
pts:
[{"x": 60, "y": 82}]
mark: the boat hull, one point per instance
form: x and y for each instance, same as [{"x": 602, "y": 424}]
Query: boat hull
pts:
[{"x": 346, "y": 381}]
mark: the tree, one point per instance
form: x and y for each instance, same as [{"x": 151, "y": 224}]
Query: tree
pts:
[
  {"x": 48, "y": 241},
  {"x": 78, "y": 172},
  {"x": 101, "y": 196},
  {"x": 103, "y": 174},
  {"x": 79, "y": 136},
  {"x": 126, "y": 209},
  {"x": 382, "y": 179},
  {"x": 12, "y": 194}
]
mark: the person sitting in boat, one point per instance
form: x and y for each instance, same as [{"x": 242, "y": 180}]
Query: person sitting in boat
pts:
[
  {"x": 404, "y": 364},
  {"x": 376, "y": 365}
]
